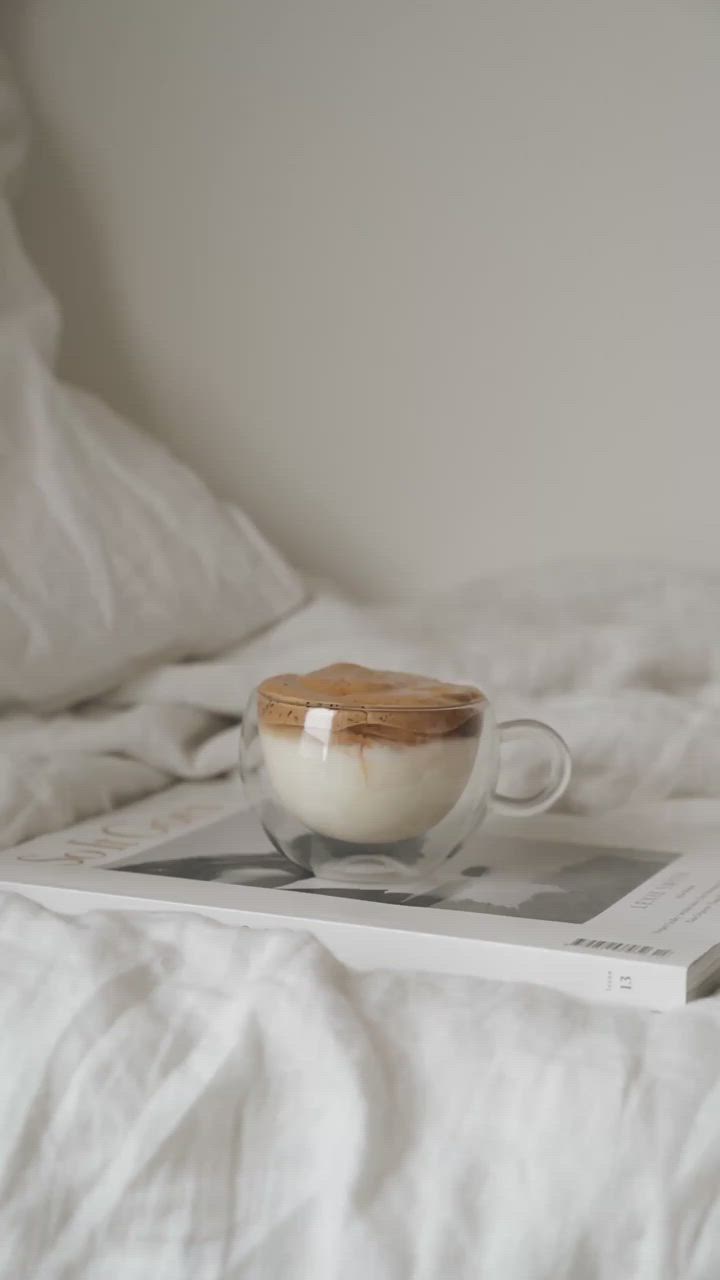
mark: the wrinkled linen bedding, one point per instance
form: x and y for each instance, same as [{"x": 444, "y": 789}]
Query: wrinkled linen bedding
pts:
[
  {"x": 625, "y": 662},
  {"x": 181, "y": 1099}
]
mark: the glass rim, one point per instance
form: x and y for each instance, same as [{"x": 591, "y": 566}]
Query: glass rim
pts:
[{"x": 327, "y": 705}]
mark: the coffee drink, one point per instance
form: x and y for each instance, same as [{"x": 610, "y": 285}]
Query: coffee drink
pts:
[{"x": 365, "y": 756}]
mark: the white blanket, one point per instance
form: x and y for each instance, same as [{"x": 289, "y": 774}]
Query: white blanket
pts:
[
  {"x": 624, "y": 662},
  {"x": 185, "y": 1101},
  {"x": 182, "y": 1100}
]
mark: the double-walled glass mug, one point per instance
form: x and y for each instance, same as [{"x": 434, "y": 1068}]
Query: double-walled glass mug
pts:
[{"x": 378, "y": 776}]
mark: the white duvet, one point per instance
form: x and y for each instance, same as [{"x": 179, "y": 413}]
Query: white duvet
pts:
[{"x": 183, "y": 1100}]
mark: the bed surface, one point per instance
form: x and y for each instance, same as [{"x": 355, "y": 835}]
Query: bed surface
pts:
[{"x": 182, "y": 1098}]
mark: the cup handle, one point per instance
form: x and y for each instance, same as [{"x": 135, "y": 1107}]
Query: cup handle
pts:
[{"x": 560, "y": 770}]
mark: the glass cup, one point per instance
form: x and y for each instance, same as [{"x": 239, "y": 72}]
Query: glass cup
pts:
[{"x": 390, "y": 795}]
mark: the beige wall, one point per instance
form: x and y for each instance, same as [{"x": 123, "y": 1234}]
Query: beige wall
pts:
[{"x": 431, "y": 287}]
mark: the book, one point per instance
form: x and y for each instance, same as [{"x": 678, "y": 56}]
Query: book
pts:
[{"x": 562, "y": 902}]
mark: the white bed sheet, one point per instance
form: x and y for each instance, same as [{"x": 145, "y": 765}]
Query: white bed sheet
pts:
[{"x": 180, "y": 1099}]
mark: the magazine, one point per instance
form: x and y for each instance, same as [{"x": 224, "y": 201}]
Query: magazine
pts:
[{"x": 603, "y": 920}]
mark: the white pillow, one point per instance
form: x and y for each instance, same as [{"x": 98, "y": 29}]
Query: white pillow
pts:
[{"x": 112, "y": 554}]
